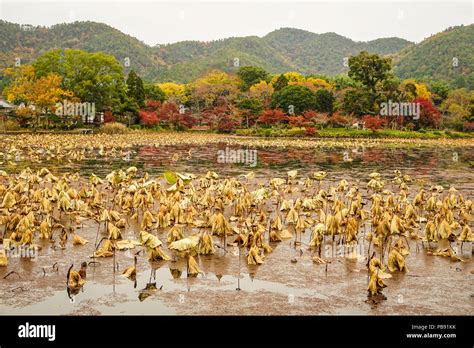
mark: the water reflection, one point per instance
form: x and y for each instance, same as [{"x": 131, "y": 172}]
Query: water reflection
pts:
[{"x": 426, "y": 160}]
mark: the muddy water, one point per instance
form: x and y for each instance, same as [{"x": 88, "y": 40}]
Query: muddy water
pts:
[{"x": 288, "y": 283}]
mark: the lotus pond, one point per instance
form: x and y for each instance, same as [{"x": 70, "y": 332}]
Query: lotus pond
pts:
[{"x": 161, "y": 226}]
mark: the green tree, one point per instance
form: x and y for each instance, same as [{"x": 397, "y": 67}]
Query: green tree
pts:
[
  {"x": 253, "y": 104},
  {"x": 154, "y": 92},
  {"x": 300, "y": 97},
  {"x": 93, "y": 77},
  {"x": 342, "y": 81},
  {"x": 357, "y": 102},
  {"x": 440, "y": 90},
  {"x": 251, "y": 75},
  {"x": 324, "y": 100},
  {"x": 281, "y": 82},
  {"x": 458, "y": 107},
  {"x": 251, "y": 108},
  {"x": 370, "y": 70},
  {"x": 135, "y": 89}
]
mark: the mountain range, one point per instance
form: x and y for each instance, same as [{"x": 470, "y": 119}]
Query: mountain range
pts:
[{"x": 282, "y": 50}]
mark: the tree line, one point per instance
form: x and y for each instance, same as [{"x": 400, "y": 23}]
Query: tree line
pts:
[{"x": 221, "y": 101}]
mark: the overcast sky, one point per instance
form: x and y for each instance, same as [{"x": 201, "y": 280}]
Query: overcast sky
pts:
[{"x": 155, "y": 21}]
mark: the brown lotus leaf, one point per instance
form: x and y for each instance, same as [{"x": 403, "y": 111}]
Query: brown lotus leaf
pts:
[
  {"x": 157, "y": 254},
  {"x": 78, "y": 240},
  {"x": 396, "y": 262},
  {"x": 114, "y": 232},
  {"x": 174, "y": 234},
  {"x": 3, "y": 258},
  {"x": 193, "y": 268},
  {"x": 206, "y": 246},
  {"x": 75, "y": 279},
  {"x": 254, "y": 257}
]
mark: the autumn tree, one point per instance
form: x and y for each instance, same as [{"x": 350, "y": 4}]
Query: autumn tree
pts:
[
  {"x": 298, "y": 121},
  {"x": 148, "y": 118},
  {"x": 430, "y": 117},
  {"x": 459, "y": 107},
  {"x": 21, "y": 82},
  {"x": 209, "y": 90},
  {"x": 294, "y": 78},
  {"x": 149, "y": 114},
  {"x": 174, "y": 92},
  {"x": 39, "y": 96},
  {"x": 222, "y": 116},
  {"x": 263, "y": 91},
  {"x": 168, "y": 113},
  {"x": 373, "y": 122},
  {"x": 109, "y": 117},
  {"x": 178, "y": 119},
  {"x": 272, "y": 117}
]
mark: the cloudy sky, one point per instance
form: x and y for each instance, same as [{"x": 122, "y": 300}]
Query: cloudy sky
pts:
[{"x": 156, "y": 21}]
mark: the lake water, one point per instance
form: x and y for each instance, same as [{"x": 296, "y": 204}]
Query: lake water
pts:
[{"x": 228, "y": 285}]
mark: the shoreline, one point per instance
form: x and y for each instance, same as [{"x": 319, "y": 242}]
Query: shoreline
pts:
[{"x": 140, "y": 138}]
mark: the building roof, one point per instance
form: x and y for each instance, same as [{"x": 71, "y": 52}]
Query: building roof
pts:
[{"x": 5, "y": 105}]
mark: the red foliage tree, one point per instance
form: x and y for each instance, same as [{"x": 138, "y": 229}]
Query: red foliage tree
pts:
[
  {"x": 338, "y": 120},
  {"x": 468, "y": 126},
  {"x": 148, "y": 118},
  {"x": 108, "y": 117},
  {"x": 168, "y": 113},
  {"x": 222, "y": 116},
  {"x": 187, "y": 120},
  {"x": 310, "y": 115},
  {"x": 395, "y": 122},
  {"x": 272, "y": 117},
  {"x": 429, "y": 114},
  {"x": 310, "y": 131},
  {"x": 149, "y": 114},
  {"x": 171, "y": 115},
  {"x": 226, "y": 124},
  {"x": 153, "y": 105},
  {"x": 373, "y": 122},
  {"x": 298, "y": 121}
]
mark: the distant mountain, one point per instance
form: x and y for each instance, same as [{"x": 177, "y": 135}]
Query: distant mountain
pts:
[
  {"x": 30, "y": 43},
  {"x": 448, "y": 56},
  {"x": 282, "y": 50},
  {"x": 325, "y": 53}
]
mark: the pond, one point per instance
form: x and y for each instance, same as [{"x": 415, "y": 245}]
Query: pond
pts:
[{"x": 288, "y": 282}]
